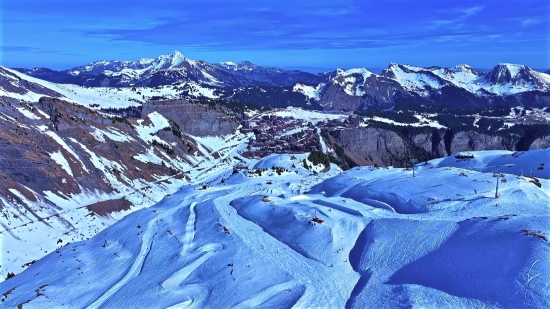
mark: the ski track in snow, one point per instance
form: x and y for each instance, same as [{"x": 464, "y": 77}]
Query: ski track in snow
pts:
[
  {"x": 265, "y": 295},
  {"x": 291, "y": 261},
  {"x": 135, "y": 270},
  {"x": 386, "y": 252},
  {"x": 189, "y": 230},
  {"x": 205, "y": 252}
]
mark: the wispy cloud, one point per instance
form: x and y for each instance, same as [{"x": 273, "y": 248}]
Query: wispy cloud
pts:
[
  {"x": 530, "y": 22},
  {"x": 28, "y": 49},
  {"x": 456, "y": 22},
  {"x": 63, "y": 30},
  {"x": 470, "y": 11}
]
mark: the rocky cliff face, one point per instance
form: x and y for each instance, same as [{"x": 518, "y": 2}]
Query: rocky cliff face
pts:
[
  {"x": 386, "y": 147},
  {"x": 361, "y": 90},
  {"x": 377, "y": 146},
  {"x": 541, "y": 143},
  {"x": 68, "y": 171},
  {"x": 470, "y": 141},
  {"x": 195, "y": 119}
]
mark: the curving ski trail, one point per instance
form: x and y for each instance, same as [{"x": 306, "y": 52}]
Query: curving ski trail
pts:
[
  {"x": 178, "y": 277},
  {"x": 189, "y": 230},
  {"x": 137, "y": 266},
  {"x": 266, "y": 295},
  {"x": 134, "y": 271}
]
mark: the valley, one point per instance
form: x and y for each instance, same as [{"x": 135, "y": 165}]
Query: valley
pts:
[{"x": 177, "y": 183}]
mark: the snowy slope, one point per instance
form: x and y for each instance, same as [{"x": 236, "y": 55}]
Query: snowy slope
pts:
[
  {"x": 105, "y": 97},
  {"x": 311, "y": 92},
  {"x": 505, "y": 79},
  {"x": 530, "y": 163},
  {"x": 388, "y": 240},
  {"x": 102, "y": 97},
  {"x": 67, "y": 183},
  {"x": 352, "y": 80},
  {"x": 306, "y": 115}
]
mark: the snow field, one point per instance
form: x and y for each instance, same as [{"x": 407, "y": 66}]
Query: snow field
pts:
[{"x": 442, "y": 241}]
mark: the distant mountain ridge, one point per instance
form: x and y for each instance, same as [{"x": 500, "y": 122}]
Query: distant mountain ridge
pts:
[{"x": 353, "y": 89}]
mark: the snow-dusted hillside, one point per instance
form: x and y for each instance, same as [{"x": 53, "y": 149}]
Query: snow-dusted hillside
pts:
[
  {"x": 19, "y": 86},
  {"x": 504, "y": 79},
  {"x": 69, "y": 171},
  {"x": 352, "y": 81},
  {"x": 247, "y": 239}
]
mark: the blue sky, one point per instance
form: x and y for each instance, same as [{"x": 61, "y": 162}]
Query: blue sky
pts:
[{"x": 61, "y": 34}]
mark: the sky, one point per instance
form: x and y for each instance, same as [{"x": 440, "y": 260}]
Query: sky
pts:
[{"x": 61, "y": 34}]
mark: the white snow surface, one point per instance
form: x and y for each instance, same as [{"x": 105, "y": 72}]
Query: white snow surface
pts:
[
  {"x": 388, "y": 240},
  {"x": 104, "y": 96},
  {"x": 61, "y": 161},
  {"x": 353, "y": 80},
  {"x": 311, "y": 92},
  {"x": 306, "y": 115},
  {"x": 109, "y": 97}
]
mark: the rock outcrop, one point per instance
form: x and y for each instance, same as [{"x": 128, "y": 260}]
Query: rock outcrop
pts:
[
  {"x": 67, "y": 171},
  {"x": 386, "y": 147},
  {"x": 195, "y": 119}
]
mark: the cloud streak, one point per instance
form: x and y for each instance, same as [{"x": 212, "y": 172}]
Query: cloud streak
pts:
[{"x": 214, "y": 27}]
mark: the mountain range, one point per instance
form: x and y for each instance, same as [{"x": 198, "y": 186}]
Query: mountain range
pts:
[
  {"x": 353, "y": 89},
  {"x": 82, "y": 164}
]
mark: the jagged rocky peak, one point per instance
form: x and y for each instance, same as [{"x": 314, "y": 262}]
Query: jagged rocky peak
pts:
[
  {"x": 247, "y": 65},
  {"x": 240, "y": 66},
  {"x": 362, "y": 71},
  {"x": 173, "y": 60},
  {"x": 506, "y": 73},
  {"x": 229, "y": 65},
  {"x": 464, "y": 68},
  {"x": 392, "y": 68}
]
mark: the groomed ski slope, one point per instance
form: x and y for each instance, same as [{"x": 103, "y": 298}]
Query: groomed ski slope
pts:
[{"x": 388, "y": 240}]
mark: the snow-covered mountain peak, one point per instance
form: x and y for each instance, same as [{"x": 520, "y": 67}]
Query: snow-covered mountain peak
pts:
[
  {"x": 352, "y": 71},
  {"x": 507, "y": 78},
  {"x": 240, "y": 66},
  {"x": 408, "y": 67},
  {"x": 175, "y": 59},
  {"x": 229, "y": 65},
  {"x": 353, "y": 80},
  {"x": 508, "y": 69},
  {"x": 463, "y": 68},
  {"x": 247, "y": 65}
]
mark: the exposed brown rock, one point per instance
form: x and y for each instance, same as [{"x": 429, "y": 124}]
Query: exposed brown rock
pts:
[{"x": 106, "y": 207}]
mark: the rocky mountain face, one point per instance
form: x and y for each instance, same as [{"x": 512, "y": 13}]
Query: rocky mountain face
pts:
[
  {"x": 384, "y": 147},
  {"x": 354, "y": 89},
  {"x": 67, "y": 170},
  {"x": 359, "y": 89},
  {"x": 194, "y": 118}
]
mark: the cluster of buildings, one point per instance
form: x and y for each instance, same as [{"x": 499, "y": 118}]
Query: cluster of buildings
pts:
[{"x": 278, "y": 134}]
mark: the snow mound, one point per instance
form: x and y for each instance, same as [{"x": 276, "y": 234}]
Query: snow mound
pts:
[
  {"x": 365, "y": 238},
  {"x": 529, "y": 163}
]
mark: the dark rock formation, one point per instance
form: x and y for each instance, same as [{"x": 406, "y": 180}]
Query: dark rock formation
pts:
[
  {"x": 195, "y": 119},
  {"x": 386, "y": 147}
]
